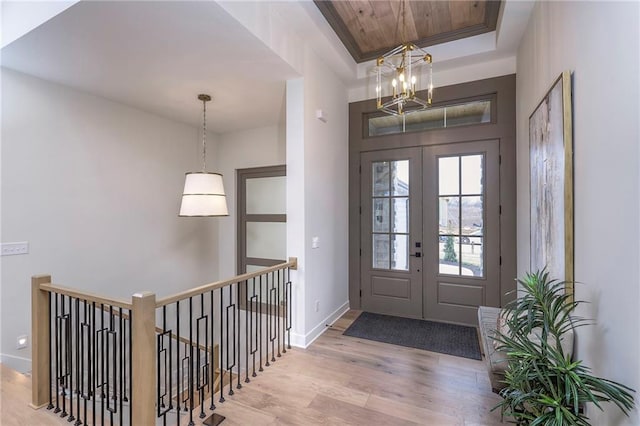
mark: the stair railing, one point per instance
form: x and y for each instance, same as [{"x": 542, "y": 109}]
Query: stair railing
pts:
[{"x": 99, "y": 360}]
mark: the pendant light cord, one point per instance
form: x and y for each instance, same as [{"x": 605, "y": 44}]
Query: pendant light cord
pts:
[
  {"x": 404, "y": 24},
  {"x": 204, "y": 136}
]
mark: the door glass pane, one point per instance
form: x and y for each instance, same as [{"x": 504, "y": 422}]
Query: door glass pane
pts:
[
  {"x": 400, "y": 214},
  {"x": 449, "y": 254},
  {"x": 472, "y": 257},
  {"x": 267, "y": 240},
  {"x": 461, "y": 217},
  {"x": 380, "y": 215},
  {"x": 266, "y": 195},
  {"x": 449, "y": 175},
  {"x": 380, "y": 253},
  {"x": 400, "y": 252},
  {"x": 472, "y": 216},
  {"x": 449, "y": 215},
  {"x": 472, "y": 174},
  {"x": 400, "y": 177},
  {"x": 254, "y": 268},
  {"x": 380, "y": 178}
]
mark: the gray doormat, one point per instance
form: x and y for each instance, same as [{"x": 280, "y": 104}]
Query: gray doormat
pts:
[{"x": 451, "y": 339}]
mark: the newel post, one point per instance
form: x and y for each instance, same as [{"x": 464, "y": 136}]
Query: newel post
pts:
[
  {"x": 40, "y": 329},
  {"x": 143, "y": 376}
]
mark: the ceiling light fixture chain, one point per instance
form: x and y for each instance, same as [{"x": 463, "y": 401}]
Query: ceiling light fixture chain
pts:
[
  {"x": 204, "y": 98},
  {"x": 404, "y": 68}
]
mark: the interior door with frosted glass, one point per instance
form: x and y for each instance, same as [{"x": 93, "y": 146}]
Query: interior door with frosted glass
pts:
[
  {"x": 262, "y": 227},
  {"x": 461, "y": 230},
  {"x": 391, "y": 234}
]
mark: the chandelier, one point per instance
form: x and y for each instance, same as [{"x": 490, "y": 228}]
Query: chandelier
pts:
[
  {"x": 402, "y": 70},
  {"x": 203, "y": 193}
]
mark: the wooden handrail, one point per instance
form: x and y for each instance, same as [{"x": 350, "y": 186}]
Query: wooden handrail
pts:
[
  {"x": 292, "y": 263},
  {"x": 89, "y": 297}
]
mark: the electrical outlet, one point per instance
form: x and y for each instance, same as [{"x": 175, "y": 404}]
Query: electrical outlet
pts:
[
  {"x": 10, "y": 249},
  {"x": 22, "y": 341}
]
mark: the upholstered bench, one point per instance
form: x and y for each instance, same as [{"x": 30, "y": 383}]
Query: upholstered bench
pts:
[{"x": 496, "y": 360}]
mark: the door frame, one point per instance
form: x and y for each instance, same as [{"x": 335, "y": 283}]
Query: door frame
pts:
[
  {"x": 242, "y": 217},
  {"x": 502, "y": 92}
]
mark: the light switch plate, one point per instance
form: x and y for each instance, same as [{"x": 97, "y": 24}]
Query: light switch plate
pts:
[{"x": 10, "y": 249}]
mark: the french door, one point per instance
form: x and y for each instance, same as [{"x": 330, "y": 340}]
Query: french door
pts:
[{"x": 430, "y": 231}]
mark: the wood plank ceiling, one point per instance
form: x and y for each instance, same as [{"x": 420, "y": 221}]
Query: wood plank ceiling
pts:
[{"x": 370, "y": 28}]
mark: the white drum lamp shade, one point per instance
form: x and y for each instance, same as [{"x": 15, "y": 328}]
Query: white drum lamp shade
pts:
[{"x": 203, "y": 195}]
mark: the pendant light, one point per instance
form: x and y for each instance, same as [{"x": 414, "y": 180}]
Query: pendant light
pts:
[
  {"x": 203, "y": 193},
  {"x": 401, "y": 70}
]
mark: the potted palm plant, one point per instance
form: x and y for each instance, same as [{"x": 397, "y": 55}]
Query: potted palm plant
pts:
[{"x": 544, "y": 386}]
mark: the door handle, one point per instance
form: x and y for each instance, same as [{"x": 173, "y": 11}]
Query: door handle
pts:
[{"x": 416, "y": 254}]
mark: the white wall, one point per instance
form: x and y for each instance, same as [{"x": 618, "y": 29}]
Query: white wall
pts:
[
  {"x": 94, "y": 187},
  {"x": 599, "y": 43},
  {"x": 317, "y": 171},
  {"x": 326, "y": 202},
  {"x": 264, "y": 146}
]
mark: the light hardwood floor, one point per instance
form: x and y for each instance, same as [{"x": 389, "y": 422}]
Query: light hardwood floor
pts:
[{"x": 338, "y": 380}]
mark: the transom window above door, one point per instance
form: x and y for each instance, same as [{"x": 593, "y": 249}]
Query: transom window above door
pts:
[{"x": 461, "y": 215}]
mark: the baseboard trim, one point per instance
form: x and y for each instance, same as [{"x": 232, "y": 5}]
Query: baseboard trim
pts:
[
  {"x": 303, "y": 341},
  {"x": 23, "y": 365}
]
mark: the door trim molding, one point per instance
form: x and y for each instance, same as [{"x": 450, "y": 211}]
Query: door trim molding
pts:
[{"x": 503, "y": 129}]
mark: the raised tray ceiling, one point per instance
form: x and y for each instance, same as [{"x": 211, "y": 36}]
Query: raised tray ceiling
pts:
[{"x": 370, "y": 28}]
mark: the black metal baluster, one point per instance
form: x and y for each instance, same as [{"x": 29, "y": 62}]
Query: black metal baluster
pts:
[
  {"x": 121, "y": 359},
  {"x": 221, "y": 346},
  {"x": 284, "y": 311},
  {"x": 178, "y": 376},
  {"x": 233, "y": 339},
  {"x": 111, "y": 372},
  {"x": 273, "y": 303},
  {"x": 288, "y": 307},
  {"x": 236, "y": 333},
  {"x": 77, "y": 327},
  {"x": 278, "y": 313},
  {"x": 212, "y": 369},
  {"x": 130, "y": 365},
  {"x": 125, "y": 339},
  {"x": 253, "y": 323},
  {"x": 94, "y": 362},
  {"x": 51, "y": 335},
  {"x": 69, "y": 375},
  {"x": 268, "y": 329},
  {"x": 246, "y": 330},
  {"x": 64, "y": 356},
  {"x": 202, "y": 369},
  {"x": 85, "y": 362},
  {"x": 163, "y": 369},
  {"x": 191, "y": 423},
  {"x": 69, "y": 356},
  {"x": 102, "y": 366},
  {"x": 57, "y": 353},
  {"x": 159, "y": 368},
  {"x": 260, "y": 324}
]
